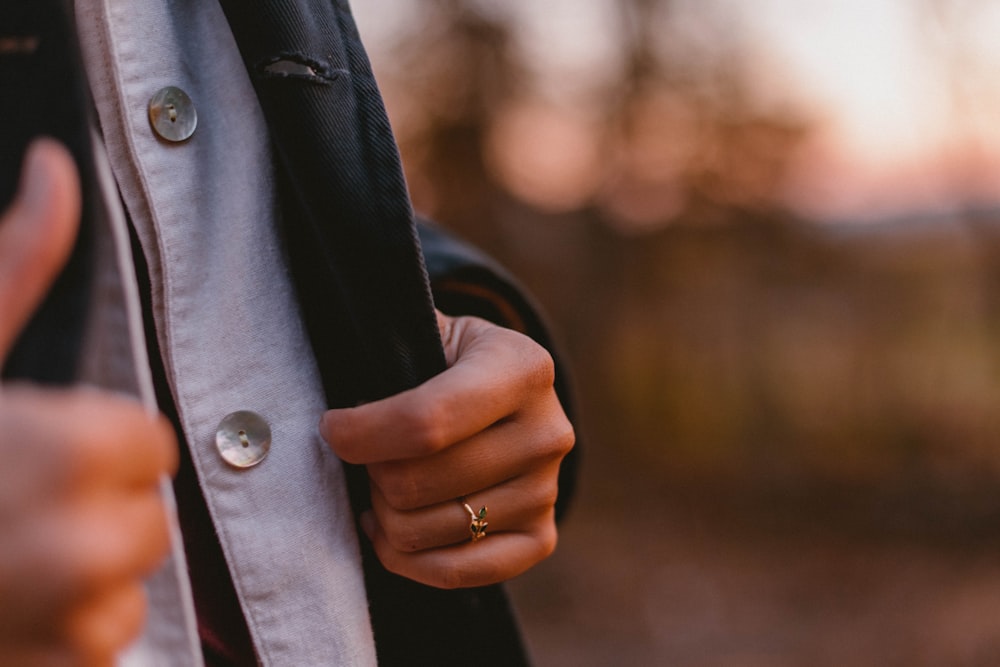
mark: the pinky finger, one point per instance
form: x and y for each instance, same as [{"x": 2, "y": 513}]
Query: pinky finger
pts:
[{"x": 496, "y": 558}]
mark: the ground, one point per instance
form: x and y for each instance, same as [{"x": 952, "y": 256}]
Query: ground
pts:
[{"x": 645, "y": 575}]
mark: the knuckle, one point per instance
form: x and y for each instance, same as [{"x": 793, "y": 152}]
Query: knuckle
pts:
[
  {"x": 88, "y": 545},
  {"x": 126, "y": 541},
  {"x": 563, "y": 436},
  {"x": 81, "y": 460},
  {"x": 98, "y": 451},
  {"x": 426, "y": 427},
  {"x": 547, "y": 537},
  {"x": 540, "y": 365},
  {"x": 548, "y": 546},
  {"x": 548, "y": 493},
  {"x": 400, "y": 484},
  {"x": 400, "y": 530},
  {"x": 401, "y": 535},
  {"x": 166, "y": 447}
]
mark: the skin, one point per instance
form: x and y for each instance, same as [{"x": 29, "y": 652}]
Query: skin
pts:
[
  {"x": 81, "y": 519},
  {"x": 491, "y": 430}
]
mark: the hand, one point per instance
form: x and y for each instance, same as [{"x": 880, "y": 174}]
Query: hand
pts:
[
  {"x": 81, "y": 519},
  {"x": 489, "y": 430}
]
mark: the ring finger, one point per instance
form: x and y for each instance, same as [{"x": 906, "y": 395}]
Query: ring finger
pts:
[{"x": 510, "y": 506}]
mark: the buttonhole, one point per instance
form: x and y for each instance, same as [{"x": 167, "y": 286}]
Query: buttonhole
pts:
[
  {"x": 244, "y": 439},
  {"x": 172, "y": 113}
]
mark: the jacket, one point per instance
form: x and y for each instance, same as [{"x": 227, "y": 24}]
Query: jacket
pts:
[{"x": 356, "y": 258}]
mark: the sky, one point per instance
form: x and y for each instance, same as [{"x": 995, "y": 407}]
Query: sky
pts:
[{"x": 909, "y": 97}]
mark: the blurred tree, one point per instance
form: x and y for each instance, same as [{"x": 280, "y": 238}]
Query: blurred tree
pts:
[
  {"x": 958, "y": 55},
  {"x": 681, "y": 137},
  {"x": 844, "y": 377},
  {"x": 712, "y": 329},
  {"x": 457, "y": 69},
  {"x": 691, "y": 138},
  {"x": 684, "y": 137}
]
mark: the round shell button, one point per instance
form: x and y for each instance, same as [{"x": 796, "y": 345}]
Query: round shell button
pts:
[
  {"x": 243, "y": 439},
  {"x": 172, "y": 114}
]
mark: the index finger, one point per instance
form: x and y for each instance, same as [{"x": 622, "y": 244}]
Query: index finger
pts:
[
  {"x": 85, "y": 439},
  {"x": 495, "y": 373}
]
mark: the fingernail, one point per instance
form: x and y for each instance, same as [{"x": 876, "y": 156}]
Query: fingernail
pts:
[{"x": 322, "y": 427}]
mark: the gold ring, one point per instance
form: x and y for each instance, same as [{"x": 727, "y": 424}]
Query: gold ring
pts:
[{"x": 478, "y": 526}]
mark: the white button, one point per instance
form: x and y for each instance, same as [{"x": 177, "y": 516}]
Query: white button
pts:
[
  {"x": 172, "y": 114},
  {"x": 243, "y": 439}
]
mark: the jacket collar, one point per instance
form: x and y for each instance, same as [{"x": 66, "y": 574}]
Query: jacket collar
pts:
[{"x": 347, "y": 216}]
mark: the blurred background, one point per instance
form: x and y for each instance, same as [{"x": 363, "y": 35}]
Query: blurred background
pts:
[{"x": 768, "y": 236}]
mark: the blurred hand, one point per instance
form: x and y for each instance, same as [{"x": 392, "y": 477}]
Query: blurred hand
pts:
[
  {"x": 81, "y": 519},
  {"x": 489, "y": 430}
]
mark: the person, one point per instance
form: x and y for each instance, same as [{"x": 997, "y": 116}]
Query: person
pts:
[{"x": 267, "y": 252}]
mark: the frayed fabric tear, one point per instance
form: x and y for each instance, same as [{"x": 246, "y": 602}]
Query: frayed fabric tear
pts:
[{"x": 291, "y": 66}]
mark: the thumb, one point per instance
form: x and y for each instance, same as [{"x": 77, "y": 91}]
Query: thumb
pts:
[
  {"x": 449, "y": 341},
  {"x": 460, "y": 336},
  {"x": 36, "y": 234}
]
